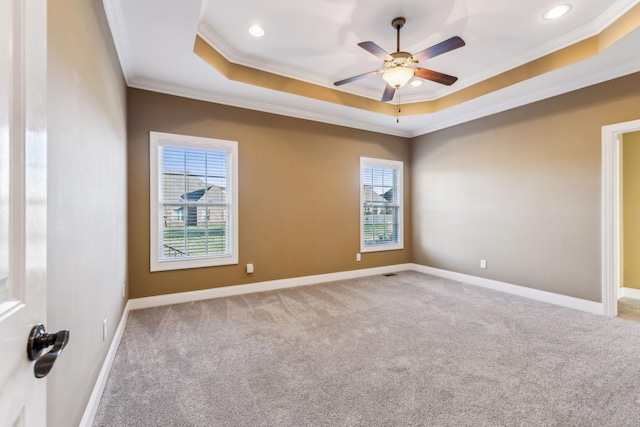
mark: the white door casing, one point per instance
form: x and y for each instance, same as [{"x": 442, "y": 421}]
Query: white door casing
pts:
[
  {"x": 611, "y": 213},
  {"x": 23, "y": 201}
]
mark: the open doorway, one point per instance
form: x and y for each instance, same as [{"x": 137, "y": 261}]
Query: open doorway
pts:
[
  {"x": 629, "y": 292},
  {"x": 612, "y": 220}
]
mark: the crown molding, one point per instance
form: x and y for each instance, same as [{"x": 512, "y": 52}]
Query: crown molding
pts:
[
  {"x": 610, "y": 16},
  {"x": 530, "y": 97},
  {"x": 614, "y": 13},
  {"x": 230, "y": 55},
  {"x": 115, "y": 18},
  {"x": 264, "y": 107},
  {"x": 615, "y": 71},
  {"x": 601, "y": 23}
]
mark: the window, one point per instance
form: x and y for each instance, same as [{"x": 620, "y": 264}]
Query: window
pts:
[
  {"x": 381, "y": 225},
  {"x": 194, "y": 201},
  {"x": 178, "y": 214}
]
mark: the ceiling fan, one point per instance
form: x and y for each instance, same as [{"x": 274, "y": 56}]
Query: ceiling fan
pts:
[{"x": 399, "y": 67}]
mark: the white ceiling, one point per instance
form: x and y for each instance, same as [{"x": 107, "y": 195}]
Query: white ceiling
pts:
[{"x": 316, "y": 41}]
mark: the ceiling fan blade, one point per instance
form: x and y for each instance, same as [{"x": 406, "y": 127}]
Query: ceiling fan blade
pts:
[
  {"x": 373, "y": 48},
  {"x": 439, "y": 49},
  {"x": 435, "y": 76},
  {"x": 389, "y": 91},
  {"x": 354, "y": 78}
]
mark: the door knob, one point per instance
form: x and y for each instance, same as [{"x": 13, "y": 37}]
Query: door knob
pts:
[{"x": 39, "y": 340}]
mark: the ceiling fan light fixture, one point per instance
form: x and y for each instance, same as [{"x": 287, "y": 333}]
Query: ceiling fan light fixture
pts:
[
  {"x": 399, "y": 68},
  {"x": 557, "y": 12},
  {"x": 397, "y": 76}
]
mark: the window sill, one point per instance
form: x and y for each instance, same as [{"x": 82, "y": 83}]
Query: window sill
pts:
[
  {"x": 381, "y": 248},
  {"x": 192, "y": 263}
]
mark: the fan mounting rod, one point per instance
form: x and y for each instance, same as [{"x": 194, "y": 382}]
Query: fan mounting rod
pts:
[{"x": 398, "y": 23}]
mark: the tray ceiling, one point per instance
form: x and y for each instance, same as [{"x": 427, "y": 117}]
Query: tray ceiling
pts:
[{"x": 512, "y": 55}]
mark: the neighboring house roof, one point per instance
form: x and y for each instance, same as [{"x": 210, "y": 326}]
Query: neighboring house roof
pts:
[
  {"x": 180, "y": 186},
  {"x": 388, "y": 196},
  {"x": 371, "y": 196},
  {"x": 216, "y": 193}
]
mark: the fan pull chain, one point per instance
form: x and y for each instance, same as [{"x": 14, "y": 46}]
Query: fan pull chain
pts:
[{"x": 398, "y": 107}]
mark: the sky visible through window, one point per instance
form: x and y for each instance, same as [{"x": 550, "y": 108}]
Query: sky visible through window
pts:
[{"x": 381, "y": 180}]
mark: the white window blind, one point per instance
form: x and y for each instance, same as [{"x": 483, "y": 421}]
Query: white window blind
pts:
[
  {"x": 195, "y": 207},
  {"x": 380, "y": 205}
]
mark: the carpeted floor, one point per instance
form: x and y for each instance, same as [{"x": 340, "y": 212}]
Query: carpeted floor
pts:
[
  {"x": 629, "y": 308},
  {"x": 408, "y": 350}
]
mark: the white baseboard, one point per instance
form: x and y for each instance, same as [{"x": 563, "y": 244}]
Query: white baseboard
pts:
[
  {"x": 160, "y": 300},
  {"x": 629, "y": 293},
  {"x": 156, "y": 301},
  {"x": 549, "y": 297},
  {"x": 94, "y": 401}
]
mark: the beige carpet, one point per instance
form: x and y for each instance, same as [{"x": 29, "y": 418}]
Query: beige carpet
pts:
[
  {"x": 409, "y": 350},
  {"x": 629, "y": 308}
]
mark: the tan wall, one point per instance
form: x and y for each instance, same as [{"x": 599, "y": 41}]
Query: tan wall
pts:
[
  {"x": 87, "y": 199},
  {"x": 631, "y": 209},
  {"x": 520, "y": 189},
  {"x": 298, "y": 189}
]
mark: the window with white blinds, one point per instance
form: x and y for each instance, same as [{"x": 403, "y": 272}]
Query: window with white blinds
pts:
[
  {"x": 381, "y": 225},
  {"x": 194, "y": 202}
]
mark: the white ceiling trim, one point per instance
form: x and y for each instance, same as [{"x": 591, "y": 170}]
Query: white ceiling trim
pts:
[
  {"x": 516, "y": 61},
  {"x": 230, "y": 55},
  {"x": 611, "y": 15},
  {"x": 529, "y": 97},
  {"x": 272, "y": 101},
  {"x": 531, "y": 55},
  {"x": 621, "y": 69},
  {"x": 264, "y": 107},
  {"x": 115, "y": 18}
]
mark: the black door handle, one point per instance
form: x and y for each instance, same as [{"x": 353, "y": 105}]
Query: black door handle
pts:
[{"x": 39, "y": 340}]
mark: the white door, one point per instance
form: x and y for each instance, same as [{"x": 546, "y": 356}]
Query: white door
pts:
[{"x": 23, "y": 62}]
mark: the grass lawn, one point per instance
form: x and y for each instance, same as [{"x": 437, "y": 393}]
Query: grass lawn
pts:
[
  {"x": 194, "y": 241},
  {"x": 378, "y": 233}
]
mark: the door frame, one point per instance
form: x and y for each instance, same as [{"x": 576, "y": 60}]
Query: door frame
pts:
[{"x": 612, "y": 213}]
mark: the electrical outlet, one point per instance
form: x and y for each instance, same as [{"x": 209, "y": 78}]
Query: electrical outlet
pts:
[
  {"x": 358, "y": 257},
  {"x": 104, "y": 329},
  {"x": 483, "y": 263},
  {"x": 249, "y": 268}
]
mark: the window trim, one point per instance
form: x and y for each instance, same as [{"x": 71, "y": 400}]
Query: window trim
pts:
[
  {"x": 157, "y": 139},
  {"x": 389, "y": 164}
]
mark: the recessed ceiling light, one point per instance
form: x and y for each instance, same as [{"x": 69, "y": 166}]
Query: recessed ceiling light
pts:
[
  {"x": 557, "y": 11},
  {"x": 256, "y": 31},
  {"x": 416, "y": 82}
]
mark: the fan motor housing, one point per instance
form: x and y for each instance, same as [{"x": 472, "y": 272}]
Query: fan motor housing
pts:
[
  {"x": 398, "y": 23},
  {"x": 400, "y": 59}
]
